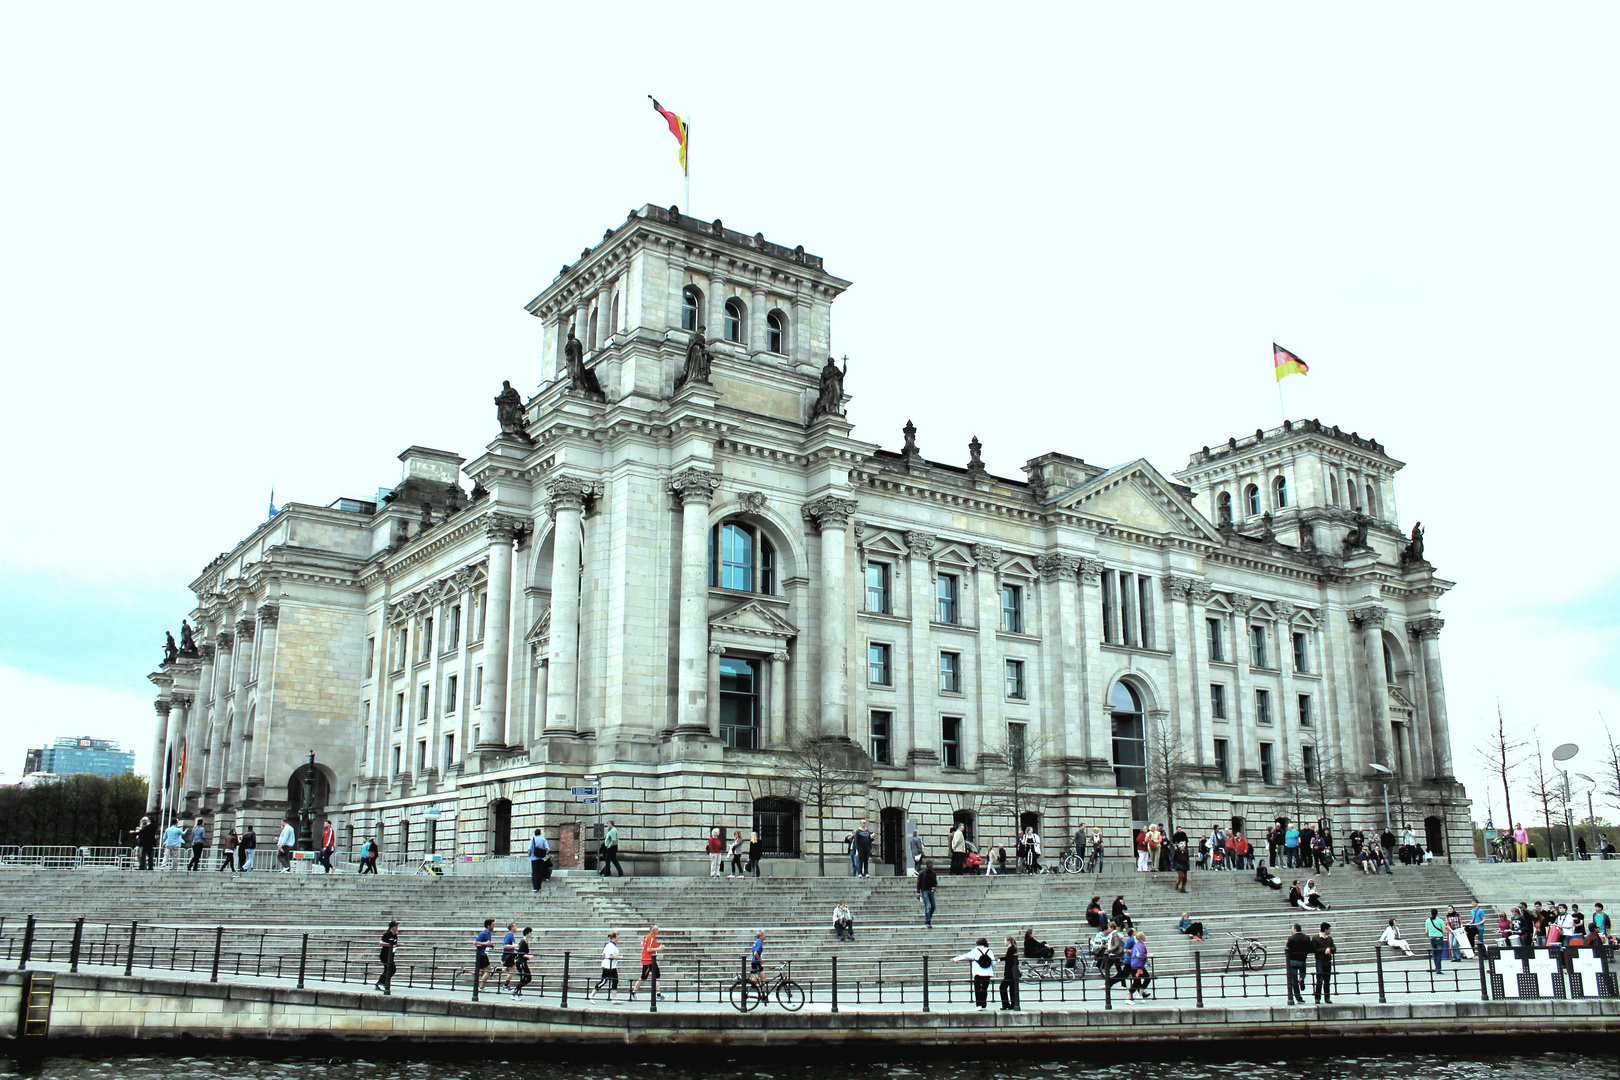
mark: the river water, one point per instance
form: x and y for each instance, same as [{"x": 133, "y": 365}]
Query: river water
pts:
[{"x": 1417, "y": 1066}]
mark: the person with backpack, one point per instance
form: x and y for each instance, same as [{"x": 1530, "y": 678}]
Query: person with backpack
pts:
[
  {"x": 1111, "y": 963},
  {"x": 983, "y": 966},
  {"x": 539, "y": 859},
  {"x": 227, "y": 851},
  {"x": 250, "y": 844}
]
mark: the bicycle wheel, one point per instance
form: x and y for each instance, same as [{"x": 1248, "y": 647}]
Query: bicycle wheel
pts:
[
  {"x": 1071, "y": 863},
  {"x": 790, "y": 995},
  {"x": 744, "y": 995},
  {"x": 1254, "y": 957}
]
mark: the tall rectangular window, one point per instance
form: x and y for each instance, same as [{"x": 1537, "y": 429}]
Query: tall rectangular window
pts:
[
  {"x": 478, "y": 686},
  {"x": 449, "y": 750},
  {"x": 881, "y": 722},
  {"x": 950, "y": 672},
  {"x": 1222, "y": 762},
  {"x": 739, "y": 703},
  {"x": 878, "y": 672},
  {"x": 401, "y": 642},
  {"x": 365, "y": 736},
  {"x": 1305, "y": 717},
  {"x": 1262, "y": 706},
  {"x": 1301, "y": 657},
  {"x": 946, "y": 591},
  {"x": 397, "y": 754},
  {"x": 877, "y": 588},
  {"x": 427, "y": 639},
  {"x": 1212, "y": 628},
  {"x": 1144, "y": 606},
  {"x": 950, "y": 740},
  {"x": 1110, "y": 605},
  {"x": 1127, "y": 610},
  {"x": 1307, "y": 758},
  {"x": 422, "y": 702},
  {"x": 1015, "y": 679},
  {"x": 1257, "y": 646},
  {"x": 1266, "y": 773},
  {"x": 450, "y": 694},
  {"x": 1015, "y": 745},
  {"x": 453, "y": 631},
  {"x": 421, "y": 756},
  {"x": 1012, "y": 609},
  {"x": 399, "y": 710},
  {"x": 483, "y": 609},
  {"x": 1217, "y": 701},
  {"x": 371, "y": 655}
]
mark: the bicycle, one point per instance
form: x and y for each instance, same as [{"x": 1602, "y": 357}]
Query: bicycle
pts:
[
  {"x": 1070, "y": 861},
  {"x": 1249, "y": 953},
  {"x": 1056, "y": 968},
  {"x": 747, "y": 994}
]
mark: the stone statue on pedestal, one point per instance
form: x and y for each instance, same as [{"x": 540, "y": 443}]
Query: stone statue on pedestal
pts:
[
  {"x": 910, "y": 432},
  {"x": 582, "y": 378},
  {"x": 698, "y": 360},
  {"x": 188, "y": 643},
  {"x": 1357, "y": 537},
  {"x": 171, "y": 651},
  {"x": 975, "y": 462},
  {"x": 1414, "y": 549},
  {"x": 509, "y": 408},
  {"x": 830, "y": 400},
  {"x": 427, "y": 516}
]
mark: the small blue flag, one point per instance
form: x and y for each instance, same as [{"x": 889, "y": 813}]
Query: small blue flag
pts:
[{"x": 272, "y": 502}]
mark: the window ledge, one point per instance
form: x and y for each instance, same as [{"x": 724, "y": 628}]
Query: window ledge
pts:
[
  {"x": 1221, "y": 663},
  {"x": 884, "y": 616},
  {"x": 1264, "y": 670},
  {"x": 1314, "y": 676},
  {"x": 1109, "y": 646},
  {"x": 937, "y": 625},
  {"x": 1018, "y": 635},
  {"x": 952, "y": 694},
  {"x": 886, "y": 687},
  {"x": 450, "y": 650},
  {"x": 1015, "y": 700}
]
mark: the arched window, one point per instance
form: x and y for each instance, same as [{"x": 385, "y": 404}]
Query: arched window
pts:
[
  {"x": 775, "y": 332},
  {"x": 1130, "y": 747},
  {"x": 1333, "y": 489},
  {"x": 1372, "y": 501},
  {"x": 1350, "y": 490},
  {"x": 734, "y": 320},
  {"x": 691, "y": 304},
  {"x": 1251, "y": 501},
  {"x": 590, "y": 329},
  {"x": 1389, "y": 666},
  {"x": 741, "y": 557},
  {"x": 500, "y": 825},
  {"x": 968, "y": 820},
  {"x": 777, "y": 822},
  {"x": 613, "y": 326},
  {"x": 1223, "y": 506},
  {"x": 1279, "y": 492}
]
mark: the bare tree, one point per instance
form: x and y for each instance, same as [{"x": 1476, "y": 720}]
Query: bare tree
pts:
[
  {"x": 1011, "y": 787},
  {"x": 1171, "y": 773},
  {"x": 1612, "y": 765},
  {"x": 1503, "y": 756},
  {"x": 1548, "y": 790},
  {"x": 823, "y": 769}
]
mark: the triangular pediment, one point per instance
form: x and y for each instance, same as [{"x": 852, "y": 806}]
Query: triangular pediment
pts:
[
  {"x": 1021, "y": 566},
  {"x": 1399, "y": 702},
  {"x": 882, "y": 545},
  {"x": 1305, "y": 618},
  {"x": 1262, "y": 612},
  {"x": 955, "y": 555},
  {"x": 1138, "y": 497},
  {"x": 753, "y": 617},
  {"x": 540, "y": 631}
]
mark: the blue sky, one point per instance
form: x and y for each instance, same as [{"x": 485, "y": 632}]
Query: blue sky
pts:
[{"x": 253, "y": 247}]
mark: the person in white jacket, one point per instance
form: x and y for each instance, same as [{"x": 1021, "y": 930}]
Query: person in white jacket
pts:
[
  {"x": 984, "y": 966},
  {"x": 284, "y": 846},
  {"x": 1392, "y": 937}
]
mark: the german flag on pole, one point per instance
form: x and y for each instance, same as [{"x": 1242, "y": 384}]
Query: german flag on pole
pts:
[
  {"x": 1287, "y": 363},
  {"x": 677, "y": 128}
]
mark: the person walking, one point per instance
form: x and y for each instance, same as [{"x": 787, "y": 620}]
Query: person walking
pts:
[
  {"x": 610, "y": 851},
  {"x": 927, "y": 882},
  {"x": 525, "y": 977},
  {"x": 328, "y": 846},
  {"x": 983, "y": 963},
  {"x": 173, "y": 837},
  {"x": 389, "y": 942},
  {"x": 863, "y": 850},
  {"x": 610, "y": 970},
  {"x": 1137, "y": 957},
  {"x": 1297, "y": 950},
  {"x": 716, "y": 855},
  {"x": 1113, "y": 963},
  {"x": 755, "y": 851},
  {"x": 1521, "y": 843},
  {"x": 736, "y": 853},
  {"x": 250, "y": 846},
  {"x": 284, "y": 847},
  {"x": 756, "y": 963},
  {"x": 539, "y": 859},
  {"x": 1032, "y": 851},
  {"x": 1010, "y": 976},
  {"x": 365, "y": 856},
  {"x": 914, "y": 848},
  {"x": 481, "y": 944},
  {"x": 146, "y": 842},
  {"x": 958, "y": 848},
  {"x": 650, "y": 948},
  {"x": 509, "y": 955},
  {"x": 1436, "y": 929},
  {"x": 227, "y": 851},
  {"x": 1179, "y": 863},
  {"x": 199, "y": 843},
  {"x": 1322, "y": 948}
]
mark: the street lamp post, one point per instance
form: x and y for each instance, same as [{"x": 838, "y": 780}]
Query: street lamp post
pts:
[
  {"x": 1591, "y": 815},
  {"x": 1385, "y": 773},
  {"x": 1564, "y": 753}
]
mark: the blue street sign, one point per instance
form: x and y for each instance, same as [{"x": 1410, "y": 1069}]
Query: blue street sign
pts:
[{"x": 588, "y": 789}]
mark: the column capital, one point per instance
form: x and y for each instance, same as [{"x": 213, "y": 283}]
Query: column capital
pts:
[
  {"x": 245, "y": 629},
  {"x": 695, "y": 485},
  {"x": 269, "y": 613},
  {"x": 1426, "y": 629},
  {"x": 225, "y": 640},
  {"x": 1374, "y": 616},
  {"x": 830, "y": 511},
  {"x": 921, "y": 545},
  {"x": 162, "y": 706},
  {"x": 1091, "y": 571},
  {"x": 1201, "y": 592},
  {"x": 1176, "y": 588},
  {"x": 986, "y": 556},
  {"x": 1055, "y": 567},
  {"x": 717, "y": 650},
  {"x": 568, "y": 493},
  {"x": 1242, "y": 603},
  {"x": 504, "y": 528},
  {"x": 779, "y": 657},
  {"x": 182, "y": 700},
  {"x": 1285, "y": 613},
  {"x": 205, "y": 653}
]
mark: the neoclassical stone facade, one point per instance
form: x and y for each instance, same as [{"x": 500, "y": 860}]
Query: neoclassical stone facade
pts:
[{"x": 665, "y": 573}]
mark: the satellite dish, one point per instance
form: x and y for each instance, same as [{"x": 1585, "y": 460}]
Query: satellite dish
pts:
[{"x": 1565, "y": 752}]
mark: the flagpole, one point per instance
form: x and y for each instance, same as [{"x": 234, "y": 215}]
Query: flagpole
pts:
[{"x": 686, "y": 173}]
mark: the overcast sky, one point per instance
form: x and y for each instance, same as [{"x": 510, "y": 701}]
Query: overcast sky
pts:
[{"x": 242, "y": 247}]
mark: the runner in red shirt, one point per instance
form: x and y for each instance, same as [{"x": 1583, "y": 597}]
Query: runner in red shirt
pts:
[{"x": 650, "y": 948}]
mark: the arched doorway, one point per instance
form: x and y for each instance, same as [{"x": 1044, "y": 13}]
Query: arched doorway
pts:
[
  {"x": 500, "y": 819},
  {"x": 307, "y": 822},
  {"x": 1130, "y": 748},
  {"x": 1434, "y": 835}
]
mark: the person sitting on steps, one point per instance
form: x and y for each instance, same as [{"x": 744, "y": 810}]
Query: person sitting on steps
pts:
[
  {"x": 1034, "y": 948},
  {"x": 843, "y": 922}
]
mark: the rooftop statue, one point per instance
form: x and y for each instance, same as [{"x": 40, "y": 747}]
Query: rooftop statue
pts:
[
  {"x": 1357, "y": 537},
  {"x": 509, "y": 408},
  {"x": 830, "y": 400},
  {"x": 580, "y": 377},
  {"x": 697, "y": 361},
  {"x": 188, "y": 644},
  {"x": 1414, "y": 549},
  {"x": 171, "y": 651}
]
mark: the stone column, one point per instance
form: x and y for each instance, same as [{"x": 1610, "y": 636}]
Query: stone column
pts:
[
  {"x": 990, "y": 730},
  {"x": 1067, "y": 730},
  {"x": 582, "y": 321},
  {"x": 208, "y": 778},
  {"x": 779, "y": 736},
  {"x": 1203, "y": 746},
  {"x": 1095, "y": 722},
  {"x": 831, "y": 515},
  {"x": 1428, "y": 635},
  {"x": 717, "y": 308},
  {"x": 1287, "y": 714},
  {"x": 264, "y": 688},
  {"x": 1371, "y": 621},
  {"x": 798, "y": 343},
  {"x": 567, "y": 538},
  {"x": 1244, "y": 731},
  {"x": 711, "y": 716},
  {"x": 696, "y": 488},
  {"x": 160, "y": 746},
  {"x": 756, "y": 321},
  {"x": 182, "y": 704},
  {"x": 1182, "y": 648},
  {"x": 923, "y": 660},
  {"x": 236, "y": 771},
  {"x": 499, "y": 531},
  {"x": 604, "y": 312}
]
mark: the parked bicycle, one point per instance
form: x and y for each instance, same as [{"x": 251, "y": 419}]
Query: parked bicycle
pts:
[
  {"x": 1070, "y": 862},
  {"x": 1058, "y": 968},
  {"x": 1248, "y": 952},
  {"x": 747, "y": 994}
]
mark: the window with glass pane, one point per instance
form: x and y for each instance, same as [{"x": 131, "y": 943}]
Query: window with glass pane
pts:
[
  {"x": 1130, "y": 746},
  {"x": 1301, "y": 658},
  {"x": 1015, "y": 678},
  {"x": 1266, "y": 773},
  {"x": 1307, "y": 758},
  {"x": 1015, "y": 745},
  {"x": 1217, "y": 701},
  {"x": 1109, "y": 605},
  {"x": 739, "y": 703},
  {"x": 946, "y": 590},
  {"x": 734, "y": 320},
  {"x": 371, "y": 655},
  {"x": 1212, "y": 629},
  {"x": 881, "y": 722},
  {"x": 1257, "y": 646},
  {"x": 1262, "y": 706},
  {"x": 736, "y": 558},
  {"x": 478, "y": 686},
  {"x": 449, "y": 750},
  {"x": 689, "y": 308},
  {"x": 453, "y": 637},
  {"x": 877, "y": 665},
  {"x": 1305, "y": 718},
  {"x": 950, "y": 740},
  {"x": 877, "y": 587},
  {"x": 422, "y": 702},
  {"x": 1222, "y": 764},
  {"x": 1389, "y": 666},
  {"x": 1012, "y": 609},
  {"x": 950, "y": 672},
  {"x": 1251, "y": 499},
  {"x": 774, "y": 325},
  {"x": 427, "y": 639},
  {"x": 1144, "y": 607},
  {"x": 450, "y": 694}
]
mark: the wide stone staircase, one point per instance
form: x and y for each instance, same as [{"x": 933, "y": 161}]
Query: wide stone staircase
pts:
[
  {"x": 707, "y": 923},
  {"x": 1584, "y": 882}
]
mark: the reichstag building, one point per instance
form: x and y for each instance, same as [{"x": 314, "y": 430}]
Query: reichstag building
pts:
[{"x": 675, "y": 575}]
